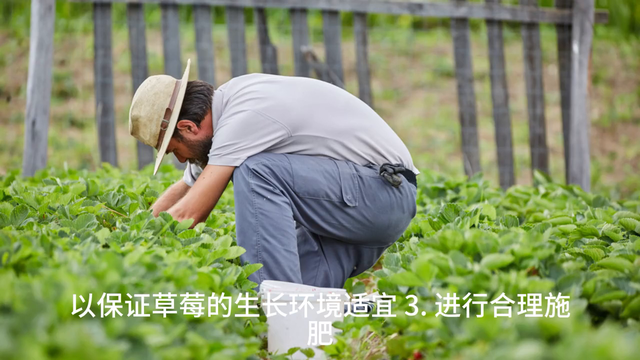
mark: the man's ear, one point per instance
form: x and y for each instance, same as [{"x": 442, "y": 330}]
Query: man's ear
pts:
[{"x": 187, "y": 126}]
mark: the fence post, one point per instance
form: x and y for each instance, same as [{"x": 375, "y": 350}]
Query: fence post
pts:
[
  {"x": 139, "y": 67},
  {"x": 171, "y": 40},
  {"x": 36, "y": 121},
  {"x": 300, "y": 32},
  {"x": 500, "y": 98},
  {"x": 204, "y": 43},
  {"x": 563, "y": 32},
  {"x": 362, "y": 57},
  {"x": 332, "y": 31},
  {"x": 466, "y": 94},
  {"x": 237, "y": 41},
  {"x": 103, "y": 68},
  {"x": 581, "y": 42},
  {"x": 535, "y": 92},
  {"x": 171, "y": 49},
  {"x": 268, "y": 52}
]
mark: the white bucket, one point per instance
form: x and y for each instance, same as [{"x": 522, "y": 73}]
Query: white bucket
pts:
[{"x": 293, "y": 330}]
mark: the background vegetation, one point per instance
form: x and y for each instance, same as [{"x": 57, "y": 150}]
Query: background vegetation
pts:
[{"x": 413, "y": 84}]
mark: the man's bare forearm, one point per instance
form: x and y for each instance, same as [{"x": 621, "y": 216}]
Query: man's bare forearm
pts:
[{"x": 170, "y": 197}]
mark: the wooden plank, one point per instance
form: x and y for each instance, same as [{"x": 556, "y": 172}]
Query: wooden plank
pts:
[
  {"x": 416, "y": 8},
  {"x": 268, "y": 52},
  {"x": 466, "y": 95},
  {"x": 362, "y": 57},
  {"x": 139, "y": 66},
  {"x": 171, "y": 48},
  {"x": 533, "y": 75},
  {"x": 332, "y": 30},
  {"x": 103, "y": 69},
  {"x": 237, "y": 42},
  {"x": 204, "y": 43},
  {"x": 500, "y": 97},
  {"x": 36, "y": 122},
  {"x": 171, "y": 40},
  {"x": 582, "y": 38},
  {"x": 300, "y": 34},
  {"x": 563, "y": 32}
]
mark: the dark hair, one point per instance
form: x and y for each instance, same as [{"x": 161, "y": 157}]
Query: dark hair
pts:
[{"x": 197, "y": 103}]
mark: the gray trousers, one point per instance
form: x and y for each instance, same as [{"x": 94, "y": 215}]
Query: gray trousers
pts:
[{"x": 314, "y": 220}]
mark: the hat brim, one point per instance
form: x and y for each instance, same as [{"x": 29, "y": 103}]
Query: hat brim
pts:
[{"x": 174, "y": 118}]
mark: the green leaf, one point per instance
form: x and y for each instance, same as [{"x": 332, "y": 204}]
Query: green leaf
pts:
[
  {"x": 435, "y": 224},
  {"x": 561, "y": 220},
  {"x": 425, "y": 270},
  {"x": 4, "y": 220},
  {"x": 448, "y": 213},
  {"x": 189, "y": 233},
  {"x": 451, "y": 239},
  {"x": 251, "y": 268},
  {"x": 391, "y": 260},
  {"x": 102, "y": 234},
  {"x": 540, "y": 178},
  {"x": 589, "y": 231},
  {"x": 224, "y": 242},
  {"x": 632, "y": 309},
  {"x": 496, "y": 261},
  {"x": 600, "y": 201},
  {"x": 292, "y": 351},
  {"x": 567, "y": 229},
  {"x": 625, "y": 215},
  {"x": 85, "y": 221},
  {"x": 18, "y": 215},
  {"x": 184, "y": 225},
  {"x": 406, "y": 278},
  {"x": 308, "y": 352},
  {"x": 77, "y": 189},
  {"x": 234, "y": 252},
  {"x": 595, "y": 254},
  {"x": 489, "y": 211},
  {"x": 612, "y": 231},
  {"x": 510, "y": 221},
  {"x": 607, "y": 295},
  {"x": 616, "y": 263},
  {"x": 629, "y": 224}
]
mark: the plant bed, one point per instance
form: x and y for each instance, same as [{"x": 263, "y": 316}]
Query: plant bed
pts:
[{"x": 66, "y": 234}]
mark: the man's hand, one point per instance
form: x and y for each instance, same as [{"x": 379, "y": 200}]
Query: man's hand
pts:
[
  {"x": 204, "y": 195},
  {"x": 170, "y": 197}
]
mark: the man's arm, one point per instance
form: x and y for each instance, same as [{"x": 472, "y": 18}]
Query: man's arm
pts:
[
  {"x": 170, "y": 197},
  {"x": 204, "y": 195}
]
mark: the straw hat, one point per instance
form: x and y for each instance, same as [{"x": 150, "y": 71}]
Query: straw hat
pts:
[{"x": 154, "y": 111}]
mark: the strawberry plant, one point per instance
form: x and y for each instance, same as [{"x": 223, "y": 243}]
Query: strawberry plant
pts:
[{"x": 66, "y": 234}]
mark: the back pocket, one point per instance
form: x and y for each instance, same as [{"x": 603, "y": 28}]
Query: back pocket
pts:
[{"x": 323, "y": 178}]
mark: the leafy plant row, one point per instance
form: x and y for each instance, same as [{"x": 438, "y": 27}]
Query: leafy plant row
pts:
[
  {"x": 66, "y": 232},
  {"x": 472, "y": 239}
]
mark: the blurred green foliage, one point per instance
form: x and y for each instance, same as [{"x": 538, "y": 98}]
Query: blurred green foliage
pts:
[{"x": 624, "y": 16}]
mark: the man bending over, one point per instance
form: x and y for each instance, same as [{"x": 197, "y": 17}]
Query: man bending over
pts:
[{"x": 322, "y": 184}]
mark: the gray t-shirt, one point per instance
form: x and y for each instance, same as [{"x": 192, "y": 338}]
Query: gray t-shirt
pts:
[{"x": 296, "y": 115}]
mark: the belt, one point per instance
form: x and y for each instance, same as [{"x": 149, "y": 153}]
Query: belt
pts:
[{"x": 410, "y": 176}]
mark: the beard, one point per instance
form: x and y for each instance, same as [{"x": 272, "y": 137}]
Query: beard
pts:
[{"x": 200, "y": 149}]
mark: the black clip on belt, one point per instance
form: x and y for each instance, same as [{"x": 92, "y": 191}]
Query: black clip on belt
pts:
[{"x": 391, "y": 173}]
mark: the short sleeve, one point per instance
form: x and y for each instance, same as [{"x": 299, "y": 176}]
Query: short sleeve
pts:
[
  {"x": 244, "y": 134},
  {"x": 191, "y": 173}
]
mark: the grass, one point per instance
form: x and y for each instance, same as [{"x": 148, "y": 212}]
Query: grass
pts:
[{"x": 413, "y": 83}]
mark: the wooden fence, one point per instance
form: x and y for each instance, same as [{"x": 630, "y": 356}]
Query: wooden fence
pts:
[{"x": 574, "y": 21}]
